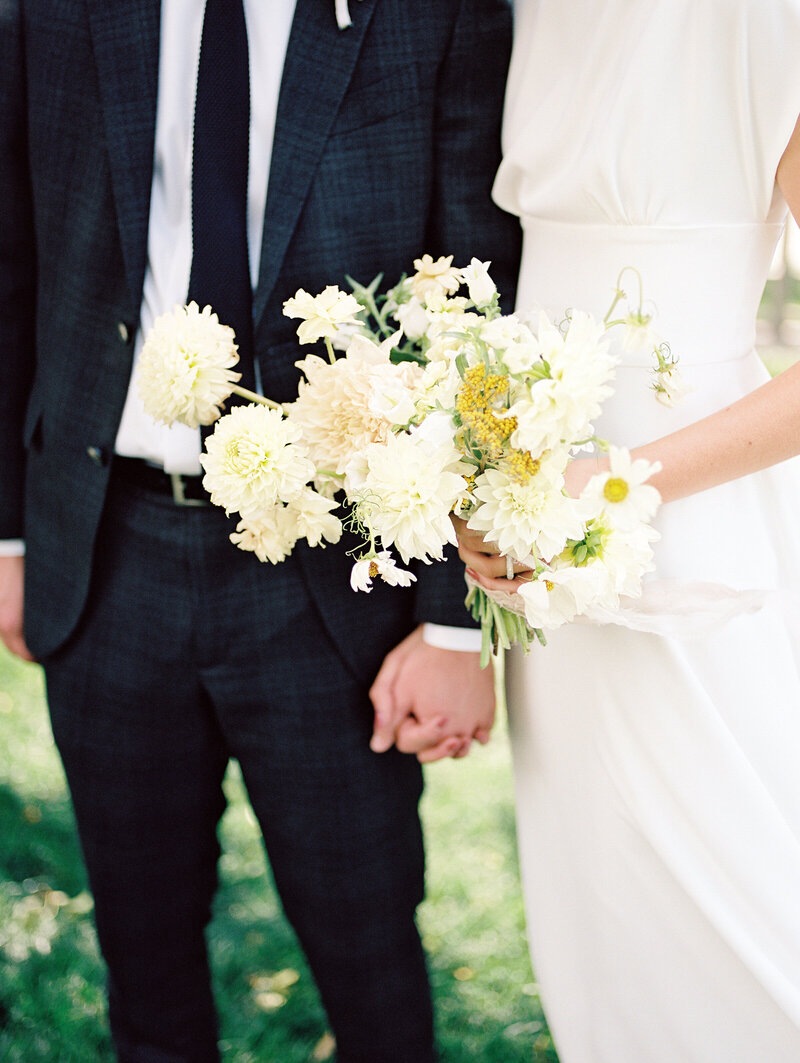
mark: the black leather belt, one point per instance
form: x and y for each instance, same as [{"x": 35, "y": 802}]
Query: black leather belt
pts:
[{"x": 182, "y": 489}]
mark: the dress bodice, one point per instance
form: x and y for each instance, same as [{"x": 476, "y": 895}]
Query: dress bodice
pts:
[{"x": 664, "y": 112}]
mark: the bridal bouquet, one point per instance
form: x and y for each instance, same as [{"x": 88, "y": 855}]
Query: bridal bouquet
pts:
[{"x": 438, "y": 404}]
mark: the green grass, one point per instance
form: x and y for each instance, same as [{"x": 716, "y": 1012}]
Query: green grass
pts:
[{"x": 52, "y": 1007}]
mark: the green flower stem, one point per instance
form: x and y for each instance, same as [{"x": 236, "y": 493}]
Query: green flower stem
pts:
[
  {"x": 255, "y": 397},
  {"x": 329, "y": 348},
  {"x": 500, "y": 628}
]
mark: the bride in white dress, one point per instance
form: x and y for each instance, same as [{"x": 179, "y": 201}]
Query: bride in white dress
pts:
[{"x": 658, "y": 771}]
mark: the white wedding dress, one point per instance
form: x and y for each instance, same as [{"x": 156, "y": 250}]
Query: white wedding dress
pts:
[{"x": 658, "y": 774}]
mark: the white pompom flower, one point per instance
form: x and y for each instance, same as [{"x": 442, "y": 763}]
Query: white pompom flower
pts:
[
  {"x": 254, "y": 459},
  {"x": 184, "y": 372}
]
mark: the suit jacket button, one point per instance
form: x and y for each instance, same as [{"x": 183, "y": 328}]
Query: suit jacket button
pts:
[
  {"x": 99, "y": 455},
  {"x": 123, "y": 332}
]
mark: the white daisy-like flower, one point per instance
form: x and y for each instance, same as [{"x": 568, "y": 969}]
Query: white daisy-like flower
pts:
[
  {"x": 408, "y": 491},
  {"x": 380, "y": 564},
  {"x": 314, "y": 519},
  {"x": 534, "y": 517},
  {"x": 254, "y": 459},
  {"x": 322, "y": 315},
  {"x": 622, "y": 493},
  {"x": 434, "y": 277},
  {"x": 343, "y": 406},
  {"x": 184, "y": 371},
  {"x": 271, "y": 536},
  {"x": 482, "y": 288}
]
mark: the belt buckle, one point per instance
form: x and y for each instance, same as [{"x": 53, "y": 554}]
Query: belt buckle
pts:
[{"x": 179, "y": 493}]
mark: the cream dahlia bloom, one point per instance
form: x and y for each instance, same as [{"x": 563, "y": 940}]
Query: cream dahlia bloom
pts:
[
  {"x": 184, "y": 370},
  {"x": 380, "y": 564},
  {"x": 253, "y": 460},
  {"x": 314, "y": 519},
  {"x": 344, "y": 406},
  {"x": 322, "y": 315}
]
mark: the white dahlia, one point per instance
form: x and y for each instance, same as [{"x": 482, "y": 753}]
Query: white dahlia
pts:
[
  {"x": 254, "y": 459},
  {"x": 271, "y": 536},
  {"x": 184, "y": 370}
]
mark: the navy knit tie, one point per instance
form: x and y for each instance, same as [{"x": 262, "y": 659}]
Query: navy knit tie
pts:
[{"x": 220, "y": 273}]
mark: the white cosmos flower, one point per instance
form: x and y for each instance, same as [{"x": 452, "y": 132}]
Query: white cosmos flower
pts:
[
  {"x": 535, "y": 517},
  {"x": 184, "y": 370},
  {"x": 409, "y": 488},
  {"x": 343, "y": 406},
  {"x": 322, "y": 315},
  {"x": 381, "y": 564},
  {"x": 558, "y": 595},
  {"x": 271, "y": 536},
  {"x": 434, "y": 277},
  {"x": 253, "y": 460},
  {"x": 314, "y": 519},
  {"x": 622, "y": 493},
  {"x": 482, "y": 289}
]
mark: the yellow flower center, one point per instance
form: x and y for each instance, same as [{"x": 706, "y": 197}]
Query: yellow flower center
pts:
[
  {"x": 616, "y": 489},
  {"x": 549, "y": 584},
  {"x": 244, "y": 457},
  {"x": 373, "y": 570}
]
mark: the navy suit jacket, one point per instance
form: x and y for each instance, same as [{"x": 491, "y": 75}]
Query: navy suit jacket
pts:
[{"x": 386, "y": 143}]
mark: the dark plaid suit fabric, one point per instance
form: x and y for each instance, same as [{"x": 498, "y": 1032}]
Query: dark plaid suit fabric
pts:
[{"x": 385, "y": 147}]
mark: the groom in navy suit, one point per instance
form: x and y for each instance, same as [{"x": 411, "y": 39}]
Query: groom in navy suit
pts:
[{"x": 166, "y": 650}]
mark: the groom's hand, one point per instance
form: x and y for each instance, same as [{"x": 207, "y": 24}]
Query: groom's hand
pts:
[
  {"x": 12, "y": 578},
  {"x": 430, "y": 701}
]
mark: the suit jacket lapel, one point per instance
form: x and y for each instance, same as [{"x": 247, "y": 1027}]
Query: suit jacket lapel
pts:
[
  {"x": 319, "y": 64},
  {"x": 125, "y": 37}
]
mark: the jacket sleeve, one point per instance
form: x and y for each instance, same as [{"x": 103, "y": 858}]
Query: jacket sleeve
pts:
[
  {"x": 464, "y": 221},
  {"x": 17, "y": 270}
]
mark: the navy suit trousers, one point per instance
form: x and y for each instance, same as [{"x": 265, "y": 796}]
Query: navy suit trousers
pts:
[{"x": 191, "y": 652}]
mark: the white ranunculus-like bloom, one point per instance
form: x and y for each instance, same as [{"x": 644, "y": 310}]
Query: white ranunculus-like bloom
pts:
[
  {"x": 622, "y": 493},
  {"x": 314, "y": 519},
  {"x": 434, "y": 277},
  {"x": 409, "y": 488},
  {"x": 482, "y": 288},
  {"x": 271, "y": 536},
  {"x": 184, "y": 371},
  {"x": 381, "y": 564},
  {"x": 254, "y": 459},
  {"x": 322, "y": 315},
  {"x": 535, "y": 517},
  {"x": 343, "y": 406}
]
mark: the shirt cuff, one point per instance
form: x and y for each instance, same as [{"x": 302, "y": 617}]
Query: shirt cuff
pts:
[
  {"x": 12, "y": 548},
  {"x": 466, "y": 639}
]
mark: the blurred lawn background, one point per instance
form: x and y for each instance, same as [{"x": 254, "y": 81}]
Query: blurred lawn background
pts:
[{"x": 52, "y": 1006}]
